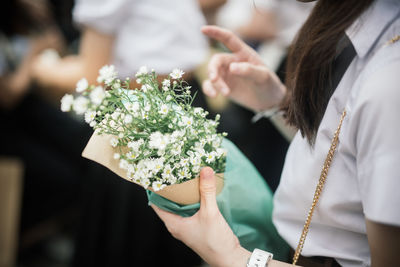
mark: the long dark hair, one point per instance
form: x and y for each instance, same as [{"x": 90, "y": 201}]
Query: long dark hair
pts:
[
  {"x": 310, "y": 62},
  {"x": 24, "y": 16}
]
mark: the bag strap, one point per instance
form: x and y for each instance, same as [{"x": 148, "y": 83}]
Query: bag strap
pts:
[
  {"x": 322, "y": 178},
  {"x": 318, "y": 190}
]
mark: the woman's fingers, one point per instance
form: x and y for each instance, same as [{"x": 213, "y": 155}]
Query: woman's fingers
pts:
[
  {"x": 218, "y": 63},
  {"x": 208, "y": 191},
  {"x": 209, "y": 89},
  {"x": 247, "y": 70},
  {"x": 230, "y": 40},
  {"x": 172, "y": 221},
  {"x": 217, "y": 68}
]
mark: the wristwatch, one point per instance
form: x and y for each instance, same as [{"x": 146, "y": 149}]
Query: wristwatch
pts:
[{"x": 259, "y": 258}]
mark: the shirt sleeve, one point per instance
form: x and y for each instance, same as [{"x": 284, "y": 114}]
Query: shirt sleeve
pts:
[
  {"x": 103, "y": 15},
  {"x": 377, "y": 113}
]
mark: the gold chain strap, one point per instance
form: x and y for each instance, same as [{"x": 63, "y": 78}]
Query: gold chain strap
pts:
[
  {"x": 319, "y": 188},
  {"x": 322, "y": 178}
]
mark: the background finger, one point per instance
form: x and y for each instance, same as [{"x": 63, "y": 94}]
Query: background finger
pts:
[
  {"x": 250, "y": 71},
  {"x": 230, "y": 40}
]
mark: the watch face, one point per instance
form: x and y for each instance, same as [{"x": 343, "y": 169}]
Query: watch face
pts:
[{"x": 259, "y": 258}]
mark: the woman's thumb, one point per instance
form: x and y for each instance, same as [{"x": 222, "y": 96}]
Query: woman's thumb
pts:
[{"x": 207, "y": 189}]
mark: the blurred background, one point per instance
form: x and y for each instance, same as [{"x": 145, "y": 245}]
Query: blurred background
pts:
[{"x": 58, "y": 209}]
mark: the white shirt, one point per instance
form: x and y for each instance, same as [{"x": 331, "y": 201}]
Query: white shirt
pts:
[
  {"x": 159, "y": 34},
  {"x": 290, "y": 15},
  {"x": 364, "y": 178}
]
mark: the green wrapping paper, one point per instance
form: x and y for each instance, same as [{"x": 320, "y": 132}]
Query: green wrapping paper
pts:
[{"x": 245, "y": 202}]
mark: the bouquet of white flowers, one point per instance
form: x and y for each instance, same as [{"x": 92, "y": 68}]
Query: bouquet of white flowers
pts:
[
  {"x": 153, "y": 136},
  {"x": 157, "y": 138}
]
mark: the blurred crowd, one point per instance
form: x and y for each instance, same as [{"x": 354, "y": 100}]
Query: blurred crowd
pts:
[{"x": 67, "y": 211}]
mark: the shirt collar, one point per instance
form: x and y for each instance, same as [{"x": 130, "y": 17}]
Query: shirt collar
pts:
[{"x": 367, "y": 29}]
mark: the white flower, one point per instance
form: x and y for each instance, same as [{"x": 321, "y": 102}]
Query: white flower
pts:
[
  {"x": 163, "y": 109},
  {"x": 187, "y": 121},
  {"x": 66, "y": 103},
  {"x": 195, "y": 161},
  {"x": 176, "y": 74},
  {"x": 80, "y": 105},
  {"x": 166, "y": 83},
  {"x": 128, "y": 119},
  {"x": 107, "y": 74},
  {"x": 158, "y": 185},
  {"x": 158, "y": 165},
  {"x": 184, "y": 162},
  {"x": 115, "y": 115},
  {"x": 183, "y": 173},
  {"x": 97, "y": 95},
  {"x": 167, "y": 172},
  {"x": 116, "y": 156},
  {"x": 114, "y": 142},
  {"x": 158, "y": 140},
  {"x": 82, "y": 85},
  {"x": 123, "y": 164},
  {"x": 135, "y": 146},
  {"x": 147, "y": 108},
  {"x": 142, "y": 70},
  {"x": 210, "y": 157},
  {"x": 113, "y": 124},
  {"x": 131, "y": 155},
  {"x": 145, "y": 183},
  {"x": 220, "y": 152},
  {"x": 146, "y": 87},
  {"x": 168, "y": 98},
  {"x": 92, "y": 123},
  {"x": 90, "y": 115}
]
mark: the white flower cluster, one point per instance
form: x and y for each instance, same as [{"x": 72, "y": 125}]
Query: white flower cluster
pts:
[{"x": 159, "y": 138}]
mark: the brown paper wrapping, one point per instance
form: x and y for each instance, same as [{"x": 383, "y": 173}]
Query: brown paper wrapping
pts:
[{"x": 99, "y": 150}]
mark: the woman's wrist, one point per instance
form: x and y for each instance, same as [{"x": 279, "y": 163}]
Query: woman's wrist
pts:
[{"x": 237, "y": 258}]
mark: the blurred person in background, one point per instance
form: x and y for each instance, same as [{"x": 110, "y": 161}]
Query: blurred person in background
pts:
[
  {"x": 269, "y": 26},
  {"x": 118, "y": 228},
  {"x": 47, "y": 141}
]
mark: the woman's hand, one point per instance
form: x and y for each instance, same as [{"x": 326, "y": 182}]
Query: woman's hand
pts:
[
  {"x": 207, "y": 232},
  {"x": 242, "y": 75}
]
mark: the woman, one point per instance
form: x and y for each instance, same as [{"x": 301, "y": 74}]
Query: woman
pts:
[{"x": 357, "y": 221}]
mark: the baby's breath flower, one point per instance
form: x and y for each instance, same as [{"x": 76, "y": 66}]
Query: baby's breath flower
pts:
[
  {"x": 163, "y": 109},
  {"x": 183, "y": 173},
  {"x": 90, "y": 115},
  {"x": 158, "y": 185},
  {"x": 176, "y": 74},
  {"x": 97, "y": 95},
  {"x": 116, "y": 156},
  {"x": 81, "y": 85},
  {"x": 210, "y": 157},
  {"x": 187, "y": 121},
  {"x": 146, "y": 87},
  {"x": 107, "y": 74},
  {"x": 131, "y": 155},
  {"x": 80, "y": 105},
  {"x": 142, "y": 71},
  {"x": 66, "y": 102},
  {"x": 123, "y": 164},
  {"x": 128, "y": 119},
  {"x": 114, "y": 142}
]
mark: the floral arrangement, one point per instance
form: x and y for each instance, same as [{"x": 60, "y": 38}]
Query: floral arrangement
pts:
[{"x": 160, "y": 139}]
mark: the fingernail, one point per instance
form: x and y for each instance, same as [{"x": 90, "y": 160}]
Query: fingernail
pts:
[
  {"x": 234, "y": 67},
  {"x": 225, "y": 90}
]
